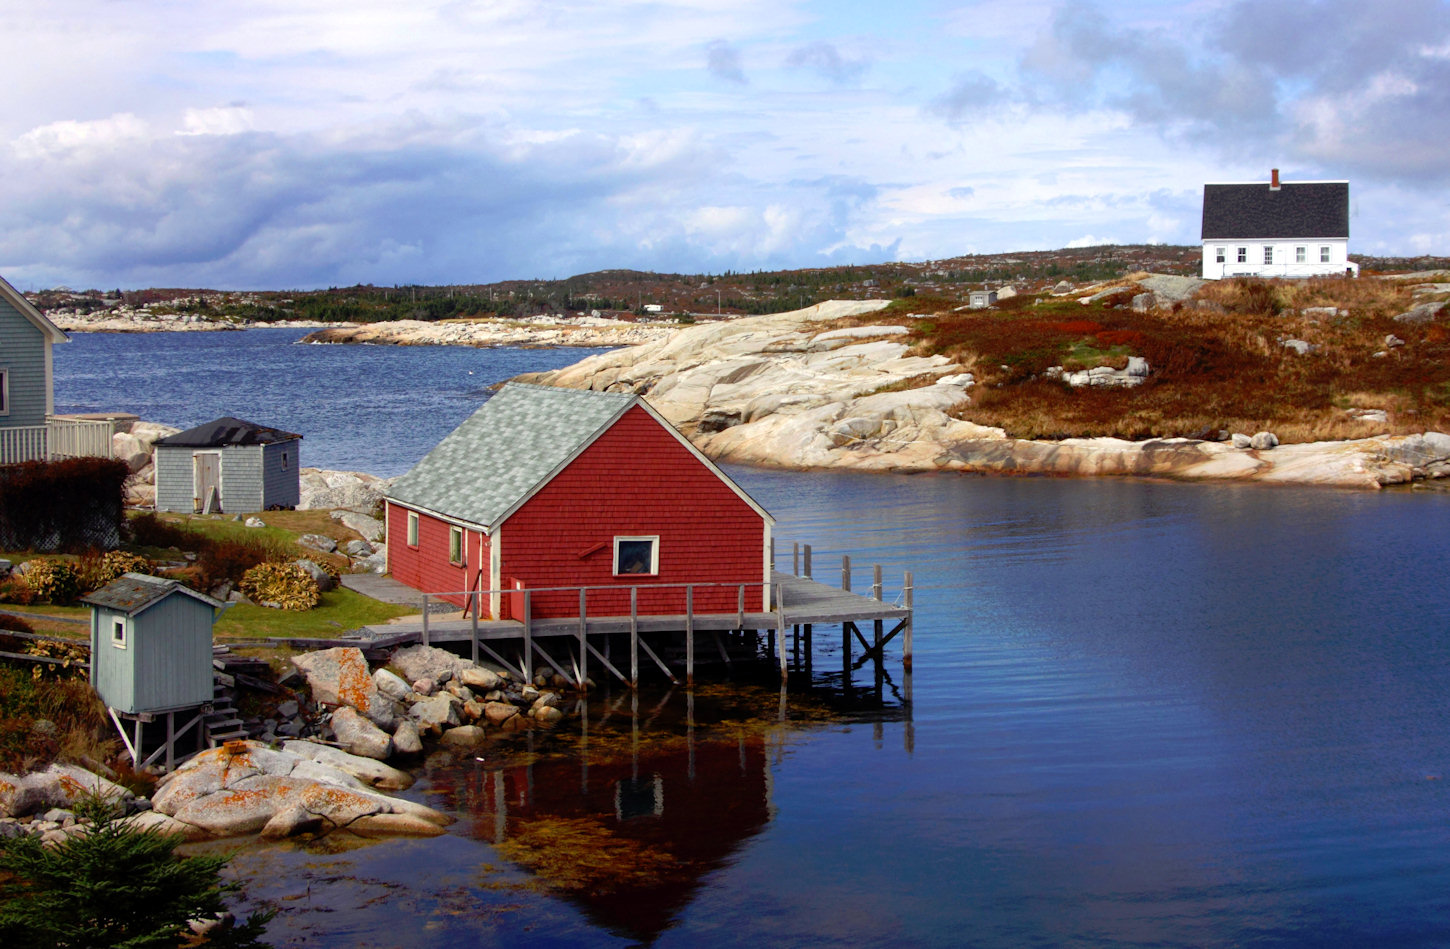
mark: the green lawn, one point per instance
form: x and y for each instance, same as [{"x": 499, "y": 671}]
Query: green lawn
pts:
[{"x": 339, "y": 611}]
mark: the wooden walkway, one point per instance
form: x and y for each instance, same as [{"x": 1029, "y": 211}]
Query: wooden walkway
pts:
[{"x": 570, "y": 645}]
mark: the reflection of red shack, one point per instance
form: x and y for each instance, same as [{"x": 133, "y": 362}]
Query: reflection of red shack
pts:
[
  {"x": 544, "y": 488},
  {"x": 628, "y": 838}
]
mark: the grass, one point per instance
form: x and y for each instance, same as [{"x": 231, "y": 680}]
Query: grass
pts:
[
  {"x": 1217, "y": 365},
  {"x": 339, "y": 611}
]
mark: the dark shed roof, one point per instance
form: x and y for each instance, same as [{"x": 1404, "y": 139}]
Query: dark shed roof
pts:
[
  {"x": 228, "y": 431},
  {"x": 131, "y": 593},
  {"x": 1306, "y": 209}
]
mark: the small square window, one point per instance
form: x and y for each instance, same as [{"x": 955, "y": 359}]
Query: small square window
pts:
[
  {"x": 1268, "y": 253},
  {"x": 412, "y": 529},
  {"x": 118, "y": 633},
  {"x": 455, "y": 545},
  {"x": 1300, "y": 255},
  {"x": 1243, "y": 255},
  {"x": 1324, "y": 255},
  {"x": 636, "y": 555},
  {"x": 1219, "y": 254}
]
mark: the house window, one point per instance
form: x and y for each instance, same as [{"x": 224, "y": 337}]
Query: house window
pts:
[
  {"x": 1300, "y": 255},
  {"x": 455, "y": 545},
  {"x": 636, "y": 555},
  {"x": 118, "y": 633},
  {"x": 1243, "y": 255},
  {"x": 284, "y": 461},
  {"x": 1268, "y": 253},
  {"x": 4, "y": 391},
  {"x": 412, "y": 529},
  {"x": 1219, "y": 254},
  {"x": 1324, "y": 254}
]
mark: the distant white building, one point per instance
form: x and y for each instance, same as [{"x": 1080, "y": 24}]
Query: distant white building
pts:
[
  {"x": 1278, "y": 229},
  {"x": 654, "y": 308},
  {"x": 978, "y": 299}
]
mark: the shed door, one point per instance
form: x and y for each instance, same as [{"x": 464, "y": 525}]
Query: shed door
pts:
[{"x": 208, "y": 478}]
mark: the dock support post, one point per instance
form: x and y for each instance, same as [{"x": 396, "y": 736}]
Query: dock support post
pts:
[
  {"x": 846, "y": 572},
  {"x": 474, "y": 639},
  {"x": 690, "y": 635},
  {"x": 425, "y": 619},
  {"x": 876, "y": 582},
  {"x": 583, "y": 643},
  {"x": 170, "y": 741},
  {"x": 634, "y": 637},
  {"x": 906, "y": 633},
  {"x": 795, "y": 559},
  {"x": 809, "y": 575},
  {"x": 528, "y": 639},
  {"x": 780, "y": 632}
]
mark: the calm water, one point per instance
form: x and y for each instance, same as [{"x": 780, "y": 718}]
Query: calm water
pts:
[{"x": 1142, "y": 714}]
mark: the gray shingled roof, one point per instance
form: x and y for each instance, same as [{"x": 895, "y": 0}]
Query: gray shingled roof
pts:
[
  {"x": 227, "y": 431},
  {"x": 1306, "y": 209},
  {"x": 131, "y": 593},
  {"x": 502, "y": 452}
]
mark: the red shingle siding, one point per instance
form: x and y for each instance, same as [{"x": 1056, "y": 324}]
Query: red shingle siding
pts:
[
  {"x": 636, "y": 479},
  {"x": 426, "y": 567}
]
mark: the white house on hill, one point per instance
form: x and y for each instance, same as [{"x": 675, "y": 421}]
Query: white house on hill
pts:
[{"x": 1278, "y": 229}]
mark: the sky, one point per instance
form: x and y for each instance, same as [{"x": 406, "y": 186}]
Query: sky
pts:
[{"x": 295, "y": 144}]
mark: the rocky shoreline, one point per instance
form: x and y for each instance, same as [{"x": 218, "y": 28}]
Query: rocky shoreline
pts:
[
  {"x": 537, "y": 332},
  {"x": 792, "y": 390}
]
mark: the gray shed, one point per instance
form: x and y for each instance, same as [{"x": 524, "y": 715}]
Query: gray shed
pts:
[
  {"x": 229, "y": 465},
  {"x": 978, "y": 299},
  {"x": 151, "y": 644}
]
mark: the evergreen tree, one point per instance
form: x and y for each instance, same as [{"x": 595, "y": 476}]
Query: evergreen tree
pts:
[{"x": 115, "y": 886}]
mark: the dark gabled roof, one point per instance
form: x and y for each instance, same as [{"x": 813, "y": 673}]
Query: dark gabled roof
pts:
[
  {"x": 131, "y": 593},
  {"x": 227, "y": 431},
  {"x": 502, "y": 454},
  {"x": 1305, "y": 209}
]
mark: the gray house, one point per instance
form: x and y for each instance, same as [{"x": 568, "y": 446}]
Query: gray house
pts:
[
  {"x": 25, "y": 375},
  {"x": 151, "y": 644},
  {"x": 979, "y": 299},
  {"x": 229, "y": 465}
]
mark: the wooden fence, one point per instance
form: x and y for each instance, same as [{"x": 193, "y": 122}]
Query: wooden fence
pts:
[{"x": 54, "y": 440}]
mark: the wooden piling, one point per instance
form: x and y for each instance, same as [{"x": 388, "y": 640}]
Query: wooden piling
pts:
[
  {"x": 583, "y": 641},
  {"x": 528, "y": 639},
  {"x": 906, "y": 633},
  {"x": 846, "y": 572},
  {"x": 634, "y": 637}
]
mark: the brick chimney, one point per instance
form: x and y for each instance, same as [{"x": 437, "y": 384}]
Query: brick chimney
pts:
[{"x": 1274, "y": 180}]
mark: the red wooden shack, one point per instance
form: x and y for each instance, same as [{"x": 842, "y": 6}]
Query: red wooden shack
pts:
[{"x": 546, "y": 488}]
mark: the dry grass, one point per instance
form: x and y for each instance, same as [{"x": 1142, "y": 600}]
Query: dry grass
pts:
[{"x": 1218, "y": 365}]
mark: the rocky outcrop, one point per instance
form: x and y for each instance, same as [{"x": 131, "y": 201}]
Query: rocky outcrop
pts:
[
  {"x": 783, "y": 390},
  {"x": 245, "y": 787},
  {"x": 341, "y": 677},
  {"x": 356, "y": 491},
  {"x": 58, "y": 786}
]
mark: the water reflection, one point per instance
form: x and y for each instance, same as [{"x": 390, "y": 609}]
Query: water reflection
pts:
[{"x": 628, "y": 812}]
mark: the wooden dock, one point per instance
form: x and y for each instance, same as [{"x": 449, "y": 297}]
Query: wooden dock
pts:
[{"x": 571, "y": 645}]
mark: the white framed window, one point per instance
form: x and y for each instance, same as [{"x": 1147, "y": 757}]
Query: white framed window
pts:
[
  {"x": 1220, "y": 254},
  {"x": 1243, "y": 255},
  {"x": 636, "y": 555},
  {"x": 412, "y": 528},
  {"x": 1324, "y": 254},
  {"x": 4, "y": 391},
  {"x": 455, "y": 545},
  {"x": 118, "y": 633},
  {"x": 1268, "y": 253}
]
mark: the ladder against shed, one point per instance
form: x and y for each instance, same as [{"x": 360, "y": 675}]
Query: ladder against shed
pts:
[
  {"x": 151, "y": 664},
  {"x": 572, "y": 645}
]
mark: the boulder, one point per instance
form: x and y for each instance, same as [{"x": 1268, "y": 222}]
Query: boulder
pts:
[
  {"x": 318, "y": 542},
  {"x": 464, "y": 736},
  {"x": 330, "y": 490},
  {"x": 1421, "y": 313},
  {"x": 369, "y": 527},
  {"x": 325, "y": 581},
  {"x": 58, "y": 786},
  {"x": 359, "y": 736},
  {"x": 496, "y": 713},
  {"x": 390, "y": 685},
  {"x": 357, "y": 548},
  {"x": 1240, "y": 440},
  {"x": 428, "y": 662},
  {"x": 1263, "y": 441},
  {"x": 367, "y": 771},
  {"x": 254, "y": 522},
  {"x": 480, "y": 679},
  {"x": 1299, "y": 346},
  {"x": 435, "y": 712},
  {"x": 406, "y": 740},
  {"x": 547, "y": 714},
  {"x": 340, "y": 676}
]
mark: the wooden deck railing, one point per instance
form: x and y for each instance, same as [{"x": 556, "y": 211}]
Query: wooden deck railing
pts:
[{"x": 54, "y": 440}]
